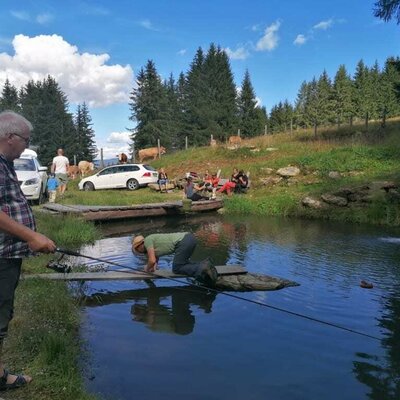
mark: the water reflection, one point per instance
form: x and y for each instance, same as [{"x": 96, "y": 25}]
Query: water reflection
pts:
[
  {"x": 382, "y": 373},
  {"x": 310, "y": 361},
  {"x": 161, "y": 309}
]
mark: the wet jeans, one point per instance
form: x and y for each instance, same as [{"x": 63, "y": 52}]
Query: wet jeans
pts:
[
  {"x": 181, "y": 263},
  {"x": 10, "y": 269}
]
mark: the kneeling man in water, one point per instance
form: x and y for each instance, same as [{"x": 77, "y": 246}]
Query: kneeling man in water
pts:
[{"x": 182, "y": 245}]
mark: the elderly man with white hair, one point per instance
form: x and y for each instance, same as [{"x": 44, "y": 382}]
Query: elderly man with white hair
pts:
[{"x": 18, "y": 236}]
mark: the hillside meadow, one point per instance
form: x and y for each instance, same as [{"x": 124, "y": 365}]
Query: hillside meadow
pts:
[{"x": 360, "y": 157}]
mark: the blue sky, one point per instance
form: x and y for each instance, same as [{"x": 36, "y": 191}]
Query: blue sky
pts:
[{"x": 95, "y": 48}]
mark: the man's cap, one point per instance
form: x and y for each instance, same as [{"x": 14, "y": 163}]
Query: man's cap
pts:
[{"x": 137, "y": 241}]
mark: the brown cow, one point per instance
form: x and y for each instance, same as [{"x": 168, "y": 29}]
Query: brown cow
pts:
[
  {"x": 122, "y": 158},
  {"x": 73, "y": 171},
  {"x": 85, "y": 167},
  {"x": 151, "y": 152},
  {"x": 235, "y": 141}
]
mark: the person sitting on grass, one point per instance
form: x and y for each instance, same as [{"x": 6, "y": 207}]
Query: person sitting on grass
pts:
[
  {"x": 231, "y": 184},
  {"x": 210, "y": 183},
  {"x": 191, "y": 190},
  {"x": 182, "y": 245},
  {"x": 162, "y": 180}
]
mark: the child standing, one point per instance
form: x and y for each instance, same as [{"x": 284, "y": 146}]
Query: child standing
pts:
[{"x": 52, "y": 185}]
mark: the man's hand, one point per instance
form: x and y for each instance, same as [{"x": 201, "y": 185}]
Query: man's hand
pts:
[
  {"x": 151, "y": 268},
  {"x": 41, "y": 243}
]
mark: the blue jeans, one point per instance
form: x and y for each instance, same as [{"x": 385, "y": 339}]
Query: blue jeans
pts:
[
  {"x": 181, "y": 263},
  {"x": 10, "y": 269}
]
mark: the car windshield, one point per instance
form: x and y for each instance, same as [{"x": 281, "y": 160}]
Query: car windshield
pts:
[
  {"x": 149, "y": 167},
  {"x": 24, "y": 164}
]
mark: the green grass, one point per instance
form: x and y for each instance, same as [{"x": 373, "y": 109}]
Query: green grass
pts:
[
  {"x": 361, "y": 156},
  {"x": 43, "y": 337}
]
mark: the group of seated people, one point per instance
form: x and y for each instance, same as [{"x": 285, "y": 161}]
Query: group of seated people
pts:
[
  {"x": 202, "y": 190},
  {"x": 237, "y": 183},
  {"x": 207, "y": 187}
]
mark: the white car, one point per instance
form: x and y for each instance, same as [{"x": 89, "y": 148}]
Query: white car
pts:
[
  {"x": 32, "y": 177},
  {"x": 129, "y": 176}
]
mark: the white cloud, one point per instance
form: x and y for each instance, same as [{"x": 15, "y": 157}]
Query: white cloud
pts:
[
  {"x": 82, "y": 76},
  {"x": 324, "y": 25},
  {"x": 22, "y": 15},
  {"x": 182, "y": 52},
  {"x": 44, "y": 18},
  {"x": 145, "y": 23},
  {"x": 111, "y": 151},
  {"x": 116, "y": 143},
  {"x": 119, "y": 137},
  {"x": 300, "y": 40},
  {"x": 270, "y": 39},
  {"x": 240, "y": 53}
]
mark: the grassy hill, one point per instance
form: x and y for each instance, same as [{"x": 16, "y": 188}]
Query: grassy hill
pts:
[{"x": 359, "y": 158}]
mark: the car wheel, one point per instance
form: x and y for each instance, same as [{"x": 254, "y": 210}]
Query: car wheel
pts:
[
  {"x": 40, "y": 199},
  {"x": 88, "y": 187},
  {"x": 132, "y": 184}
]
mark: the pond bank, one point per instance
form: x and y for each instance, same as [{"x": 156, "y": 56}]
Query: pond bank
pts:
[{"x": 44, "y": 339}]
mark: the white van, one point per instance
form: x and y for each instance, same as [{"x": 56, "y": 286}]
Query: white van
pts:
[{"x": 32, "y": 177}]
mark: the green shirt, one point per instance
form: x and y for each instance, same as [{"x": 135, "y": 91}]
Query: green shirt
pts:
[{"x": 163, "y": 243}]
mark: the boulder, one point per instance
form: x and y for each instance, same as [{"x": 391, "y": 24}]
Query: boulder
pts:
[
  {"x": 382, "y": 185},
  {"x": 334, "y": 175},
  {"x": 288, "y": 172},
  {"x": 311, "y": 203},
  {"x": 156, "y": 186},
  {"x": 334, "y": 200},
  {"x": 271, "y": 180}
]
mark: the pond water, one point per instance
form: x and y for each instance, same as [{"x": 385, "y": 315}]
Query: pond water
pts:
[{"x": 178, "y": 342}]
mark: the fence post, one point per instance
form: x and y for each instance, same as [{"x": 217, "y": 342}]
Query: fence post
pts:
[
  {"x": 186, "y": 142},
  {"x": 101, "y": 158},
  {"x": 74, "y": 159},
  {"x": 159, "y": 150},
  {"x": 238, "y": 132},
  {"x": 265, "y": 129}
]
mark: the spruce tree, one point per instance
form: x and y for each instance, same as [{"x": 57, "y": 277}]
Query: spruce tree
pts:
[
  {"x": 343, "y": 90},
  {"x": 84, "y": 140},
  {"x": 325, "y": 103},
  {"x": 363, "y": 92},
  {"x": 9, "y": 98},
  {"x": 301, "y": 105},
  {"x": 149, "y": 109},
  {"x": 46, "y": 106},
  {"x": 250, "y": 123}
]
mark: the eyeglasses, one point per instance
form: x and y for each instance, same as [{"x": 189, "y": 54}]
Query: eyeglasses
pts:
[{"x": 26, "y": 140}]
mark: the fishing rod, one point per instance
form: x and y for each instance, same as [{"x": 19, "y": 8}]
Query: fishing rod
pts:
[{"x": 154, "y": 274}]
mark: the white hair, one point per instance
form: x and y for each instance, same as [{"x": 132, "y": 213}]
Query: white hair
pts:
[{"x": 12, "y": 122}]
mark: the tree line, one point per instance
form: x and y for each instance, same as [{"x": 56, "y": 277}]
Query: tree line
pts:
[
  {"x": 200, "y": 103},
  {"x": 45, "y": 105},
  {"x": 205, "y": 102},
  {"x": 371, "y": 94}
]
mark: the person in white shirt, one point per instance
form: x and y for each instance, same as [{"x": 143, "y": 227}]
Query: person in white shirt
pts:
[{"x": 60, "y": 169}]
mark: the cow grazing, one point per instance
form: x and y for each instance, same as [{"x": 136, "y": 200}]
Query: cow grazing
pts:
[
  {"x": 85, "y": 167},
  {"x": 213, "y": 143},
  {"x": 73, "y": 171},
  {"x": 235, "y": 141},
  {"x": 122, "y": 158},
  {"x": 151, "y": 152}
]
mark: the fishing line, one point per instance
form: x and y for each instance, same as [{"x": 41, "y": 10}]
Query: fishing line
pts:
[{"x": 153, "y": 274}]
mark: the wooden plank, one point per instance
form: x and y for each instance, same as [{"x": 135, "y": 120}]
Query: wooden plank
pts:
[{"x": 127, "y": 274}]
